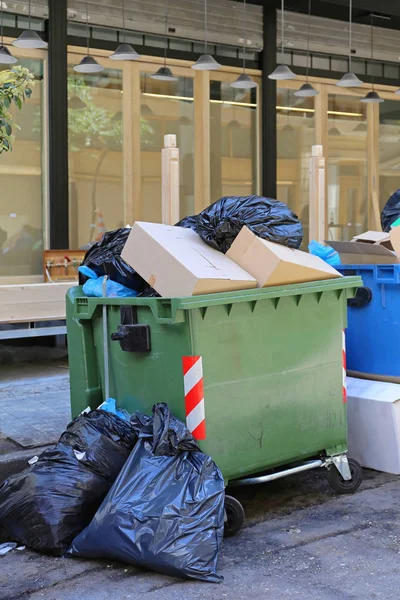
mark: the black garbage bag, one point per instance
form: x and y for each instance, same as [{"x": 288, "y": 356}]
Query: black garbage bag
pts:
[
  {"x": 220, "y": 223},
  {"x": 391, "y": 211},
  {"x": 104, "y": 258},
  {"x": 165, "y": 511},
  {"x": 47, "y": 505}
]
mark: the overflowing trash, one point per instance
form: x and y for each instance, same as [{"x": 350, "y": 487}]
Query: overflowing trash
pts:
[
  {"x": 48, "y": 504},
  {"x": 104, "y": 258},
  {"x": 219, "y": 224},
  {"x": 165, "y": 511}
]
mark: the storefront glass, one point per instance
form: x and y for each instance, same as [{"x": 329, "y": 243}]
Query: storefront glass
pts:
[
  {"x": 295, "y": 138},
  {"x": 95, "y": 139},
  {"x": 347, "y": 167},
  {"x": 389, "y": 144},
  {"x": 166, "y": 107},
  {"x": 21, "y": 171},
  {"x": 233, "y": 140}
]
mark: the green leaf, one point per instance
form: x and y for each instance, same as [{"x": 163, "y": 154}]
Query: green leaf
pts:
[
  {"x": 18, "y": 102},
  {"x": 7, "y": 102},
  {"x": 8, "y": 129}
]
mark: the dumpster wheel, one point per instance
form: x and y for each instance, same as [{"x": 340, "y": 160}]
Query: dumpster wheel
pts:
[
  {"x": 340, "y": 485},
  {"x": 234, "y": 516}
]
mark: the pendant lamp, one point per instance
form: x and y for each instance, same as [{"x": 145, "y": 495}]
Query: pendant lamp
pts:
[
  {"x": 124, "y": 51},
  {"x": 164, "y": 73},
  {"x": 372, "y": 97},
  {"x": 307, "y": 90},
  {"x": 6, "y": 58},
  {"x": 88, "y": 64},
  {"x": 349, "y": 79},
  {"x": 282, "y": 72},
  {"x": 29, "y": 39},
  {"x": 206, "y": 62},
  {"x": 244, "y": 81}
]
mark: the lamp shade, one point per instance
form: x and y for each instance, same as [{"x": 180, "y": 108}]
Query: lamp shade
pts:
[
  {"x": 349, "y": 80},
  {"x": 6, "y": 58},
  {"x": 372, "y": 98},
  {"x": 88, "y": 64},
  {"x": 29, "y": 39},
  {"x": 288, "y": 128},
  {"x": 306, "y": 91},
  {"x": 164, "y": 74},
  {"x": 125, "y": 52},
  {"x": 282, "y": 72},
  {"x": 206, "y": 62},
  {"x": 362, "y": 126},
  {"x": 244, "y": 82},
  {"x": 234, "y": 124}
]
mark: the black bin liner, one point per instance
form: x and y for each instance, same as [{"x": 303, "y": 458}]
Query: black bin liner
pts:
[
  {"x": 104, "y": 258},
  {"x": 48, "y": 504},
  {"x": 165, "y": 511},
  {"x": 391, "y": 211},
  {"x": 220, "y": 223}
]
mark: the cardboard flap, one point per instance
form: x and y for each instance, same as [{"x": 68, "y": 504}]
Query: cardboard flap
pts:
[{"x": 362, "y": 253}]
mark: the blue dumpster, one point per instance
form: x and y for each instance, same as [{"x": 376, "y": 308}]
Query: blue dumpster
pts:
[{"x": 373, "y": 334}]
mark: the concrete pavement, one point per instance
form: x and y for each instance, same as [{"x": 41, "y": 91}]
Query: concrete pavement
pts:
[{"x": 334, "y": 548}]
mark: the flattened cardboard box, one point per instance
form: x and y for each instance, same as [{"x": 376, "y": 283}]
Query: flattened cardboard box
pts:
[
  {"x": 360, "y": 253},
  {"x": 177, "y": 263},
  {"x": 391, "y": 240},
  {"x": 274, "y": 264}
]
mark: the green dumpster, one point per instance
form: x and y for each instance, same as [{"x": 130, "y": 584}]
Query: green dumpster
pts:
[{"x": 272, "y": 365}]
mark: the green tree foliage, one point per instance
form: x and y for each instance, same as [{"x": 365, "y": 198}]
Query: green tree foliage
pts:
[{"x": 15, "y": 87}]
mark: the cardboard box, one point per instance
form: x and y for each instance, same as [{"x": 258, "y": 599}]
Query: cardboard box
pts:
[
  {"x": 177, "y": 263},
  {"x": 361, "y": 253},
  {"x": 373, "y": 412},
  {"x": 379, "y": 238},
  {"x": 274, "y": 264}
]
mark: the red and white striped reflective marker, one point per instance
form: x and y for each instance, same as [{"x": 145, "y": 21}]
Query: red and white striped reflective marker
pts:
[
  {"x": 194, "y": 396},
  {"x": 344, "y": 390}
]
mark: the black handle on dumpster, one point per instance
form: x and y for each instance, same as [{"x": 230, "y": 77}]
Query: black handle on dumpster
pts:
[
  {"x": 362, "y": 298},
  {"x": 131, "y": 336}
]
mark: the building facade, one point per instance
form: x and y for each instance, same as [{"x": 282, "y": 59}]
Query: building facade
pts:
[{"x": 87, "y": 156}]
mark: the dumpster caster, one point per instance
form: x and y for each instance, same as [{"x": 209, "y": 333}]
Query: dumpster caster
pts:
[
  {"x": 234, "y": 516},
  {"x": 339, "y": 484}
]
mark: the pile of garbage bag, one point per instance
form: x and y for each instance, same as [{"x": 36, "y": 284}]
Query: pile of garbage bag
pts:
[
  {"x": 219, "y": 224},
  {"x": 165, "y": 511},
  {"x": 135, "y": 489},
  {"x": 48, "y": 504}
]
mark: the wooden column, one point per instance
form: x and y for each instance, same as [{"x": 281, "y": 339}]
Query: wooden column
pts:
[{"x": 170, "y": 180}]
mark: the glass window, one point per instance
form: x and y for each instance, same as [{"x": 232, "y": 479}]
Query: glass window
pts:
[
  {"x": 95, "y": 135},
  {"x": 166, "y": 108},
  {"x": 389, "y": 158},
  {"x": 295, "y": 137},
  {"x": 347, "y": 167},
  {"x": 21, "y": 170},
  {"x": 233, "y": 140}
]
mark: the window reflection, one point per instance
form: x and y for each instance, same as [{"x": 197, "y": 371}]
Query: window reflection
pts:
[
  {"x": 233, "y": 141},
  {"x": 347, "y": 167},
  {"x": 166, "y": 108},
  {"x": 295, "y": 138},
  {"x": 389, "y": 158},
  {"x": 21, "y": 213},
  {"x": 95, "y": 135}
]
